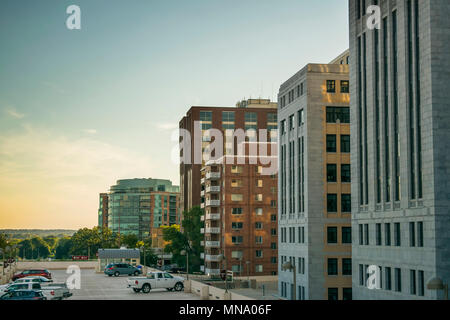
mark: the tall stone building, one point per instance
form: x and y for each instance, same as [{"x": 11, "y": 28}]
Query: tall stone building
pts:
[
  {"x": 314, "y": 206},
  {"x": 400, "y": 122}
]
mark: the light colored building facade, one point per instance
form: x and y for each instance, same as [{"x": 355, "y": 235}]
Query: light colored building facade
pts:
[
  {"x": 400, "y": 122},
  {"x": 136, "y": 206},
  {"x": 314, "y": 204},
  {"x": 240, "y": 206}
]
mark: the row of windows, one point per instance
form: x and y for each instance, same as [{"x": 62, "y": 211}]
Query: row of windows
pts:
[
  {"x": 383, "y": 279},
  {"x": 228, "y": 120},
  {"x": 294, "y": 237},
  {"x": 332, "y": 173},
  {"x": 292, "y": 95},
  {"x": 333, "y": 268},
  {"x": 332, "y": 146},
  {"x": 415, "y": 234},
  {"x": 332, "y": 235},
  {"x": 331, "y": 86},
  {"x": 258, "y": 240},
  {"x": 332, "y": 203}
]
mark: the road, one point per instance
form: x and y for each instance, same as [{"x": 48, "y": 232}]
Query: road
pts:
[{"x": 98, "y": 286}]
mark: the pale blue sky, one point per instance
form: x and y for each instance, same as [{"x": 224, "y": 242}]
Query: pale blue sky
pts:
[{"x": 81, "y": 109}]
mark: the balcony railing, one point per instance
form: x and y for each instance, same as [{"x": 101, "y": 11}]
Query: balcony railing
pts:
[
  {"x": 212, "y": 258},
  {"x": 212, "y": 244},
  {"x": 213, "y": 189},
  {"x": 212, "y": 271},
  {"x": 202, "y": 181},
  {"x": 210, "y": 230},
  {"x": 212, "y": 216},
  {"x": 202, "y": 205},
  {"x": 212, "y": 175},
  {"x": 213, "y": 203}
]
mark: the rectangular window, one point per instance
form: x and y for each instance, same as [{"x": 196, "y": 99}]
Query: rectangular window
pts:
[
  {"x": 237, "y": 197},
  {"x": 259, "y": 211},
  {"x": 347, "y": 266},
  {"x": 236, "y": 211},
  {"x": 273, "y": 246},
  {"x": 332, "y": 235},
  {"x": 259, "y": 253},
  {"x": 387, "y": 234},
  {"x": 398, "y": 280},
  {"x": 346, "y": 173},
  {"x": 331, "y": 86},
  {"x": 332, "y": 266},
  {"x": 412, "y": 234},
  {"x": 258, "y": 240},
  {"x": 421, "y": 281},
  {"x": 273, "y": 232},
  {"x": 412, "y": 281},
  {"x": 332, "y": 202},
  {"x": 206, "y": 116},
  {"x": 378, "y": 234},
  {"x": 331, "y": 173},
  {"x": 236, "y": 239},
  {"x": 397, "y": 235},
  {"x": 345, "y": 86},
  {"x": 361, "y": 275},
  {"x": 291, "y": 122},
  {"x": 361, "y": 234},
  {"x": 388, "y": 278},
  {"x": 420, "y": 234},
  {"x": 301, "y": 119},
  {"x": 258, "y": 225},
  {"x": 331, "y": 143},
  {"x": 333, "y": 294},
  {"x": 237, "y": 225},
  {"x": 346, "y": 203},
  {"x": 366, "y": 234},
  {"x": 346, "y": 235},
  {"x": 338, "y": 113},
  {"x": 345, "y": 143},
  {"x": 347, "y": 294}
]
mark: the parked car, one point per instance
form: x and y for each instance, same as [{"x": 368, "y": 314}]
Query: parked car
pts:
[
  {"x": 116, "y": 269},
  {"x": 23, "y": 295},
  {"x": 49, "y": 292},
  {"x": 38, "y": 279},
  {"x": 34, "y": 272},
  {"x": 156, "y": 280}
]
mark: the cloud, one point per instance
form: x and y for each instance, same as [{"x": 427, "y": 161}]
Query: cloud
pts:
[
  {"x": 14, "y": 113},
  {"x": 90, "y": 131},
  {"x": 167, "y": 126}
]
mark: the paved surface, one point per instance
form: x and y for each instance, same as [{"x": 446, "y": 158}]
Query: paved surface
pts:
[
  {"x": 257, "y": 294},
  {"x": 96, "y": 286}
]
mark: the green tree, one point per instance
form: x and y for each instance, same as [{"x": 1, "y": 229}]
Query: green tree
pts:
[
  {"x": 62, "y": 250},
  {"x": 188, "y": 239},
  {"x": 130, "y": 240}
]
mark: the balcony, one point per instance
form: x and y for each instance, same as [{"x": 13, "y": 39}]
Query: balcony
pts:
[
  {"x": 202, "y": 218},
  {"x": 212, "y": 271},
  {"x": 212, "y": 175},
  {"x": 202, "y": 181},
  {"x": 202, "y": 255},
  {"x": 202, "y": 268},
  {"x": 202, "y": 243},
  {"x": 210, "y": 230},
  {"x": 213, "y": 189},
  {"x": 202, "y": 193},
  {"x": 212, "y": 244},
  {"x": 212, "y": 216},
  {"x": 213, "y": 203},
  {"x": 202, "y": 205},
  {"x": 212, "y": 258}
]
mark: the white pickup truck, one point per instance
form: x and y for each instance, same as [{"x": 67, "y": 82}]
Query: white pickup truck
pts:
[
  {"x": 50, "y": 292},
  {"x": 156, "y": 280}
]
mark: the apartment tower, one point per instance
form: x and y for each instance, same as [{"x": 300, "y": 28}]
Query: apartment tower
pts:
[
  {"x": 314, "y": 198},
  {"x": 400, "y": 124}
]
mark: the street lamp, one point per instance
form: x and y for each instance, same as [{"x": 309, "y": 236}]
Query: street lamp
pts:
[
  {"x": 290, "y": 266},
  {"x": 222, "y": 259},
  {"x": 438, "y": 284}
]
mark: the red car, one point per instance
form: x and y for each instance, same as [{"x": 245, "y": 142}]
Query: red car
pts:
[{"x": 32, "y": 273}]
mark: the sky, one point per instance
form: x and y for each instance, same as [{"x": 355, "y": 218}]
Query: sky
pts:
[{"x": 80, "y": 109}]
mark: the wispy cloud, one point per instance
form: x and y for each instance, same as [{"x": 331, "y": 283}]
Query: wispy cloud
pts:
[
  {"x": 14, "y": 113},
  {"x": 167, "y": 126},
  {"x": 90, "y": 131}
]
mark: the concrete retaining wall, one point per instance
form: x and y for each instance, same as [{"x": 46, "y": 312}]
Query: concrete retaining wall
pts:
[{"x": 211, "y": 293}]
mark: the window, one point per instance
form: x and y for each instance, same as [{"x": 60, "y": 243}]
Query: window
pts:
[
  {"x": 251, "y": 122},
  {"x": 259, "y": 253},
  {"x": 258, "y": 197},
  {"x": 236, "y": 183},
  {"x": 347, "y": 266},
  {"x": 333, "y": 294},
  {"x": 335, "y": 113},
  {"x": 378, "y": 233},
  {"x": 421, "y": 286},
  {"x": 258, "y": 240},
  {"x": 398, "y": 280},
  {"x": 346, "y": 203},
  {"x": 387, "y": 234},
  {"x": 331, "y": 173},
  {"x": 331, "y": 143},
  {"x": 236, "y": 169},
  {"x": 345, "y": 86},
  {"x": 273, "y": 203},
  {"x": 347, "y": 294},
  {"x": 412, "y": 234},
  {"x": 273, "y": 260},
  {"x": 273, "y": 246},
  {"x": 205, "y": 115},
  {"x": 237, "y": 225},
  {"x": 301, "y": 119},
  {"x": 237, "y": 197},
  {"x": 273, "y": 218},
  {"x": 366, "y": 234},
  {"x": 291, "y": 122},
  {"x": 397, "y": 235},
  {"x": 345, "y": 173},
  {"x": 259, "y": 268},
  {"x": 420, "y": 234},
  {"x": 347, "y": 235},
  {"x": 332, "y": 202},
  {"x": 273, "y": 232},
  {"x": 331, "y": 86},
  {"x": 236, "y": 254},
  {"x": 236, "y": 239},
  {"x": 345, "y": 143},
  {"x": 332, "y": 266},
  {"x": 283, "y": 127},
  {"x": 332, "y": 235},
  {"x": 259, "y": 183},
  {"x": 412, "y": 282},
  {"x": 228, "y": 120},
  {"x": 236, "y": 211},
  {"x": 361, "y": 275},
  {"x": 258, "y": 225}
]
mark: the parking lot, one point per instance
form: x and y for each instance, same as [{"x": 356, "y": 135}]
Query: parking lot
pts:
[{"x": 98, "y": 286}]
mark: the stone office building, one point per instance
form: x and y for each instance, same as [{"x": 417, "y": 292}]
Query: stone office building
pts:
[
  {"x": 314, "y": 206},
  {"x": 400, "y": 122}
]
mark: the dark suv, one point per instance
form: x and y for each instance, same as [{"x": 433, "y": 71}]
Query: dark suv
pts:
[{"x": 116, "y": 269}]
